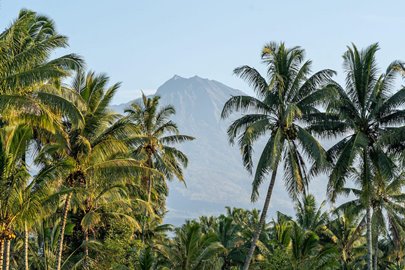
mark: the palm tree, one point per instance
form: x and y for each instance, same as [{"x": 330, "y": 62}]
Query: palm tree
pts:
[
  {"x": 247, "y": 221},
  {"x": 100, "y": 200},
  {"x": 96, "y": 150},
  {"x": 13, "y": 179},
  {"x": 154, "y": 142},
  {"x": 308, "y": 253},
  {"x": 190, "y": 249},
  {"x": 366, "y": 114},
  {"x": 153, "y": 230},
  {"x": 387, "y": 205},
  {"x": 277, "y": 253},
  {"x": 229, "y": 235},
  {"x": 281, "y": 230},
  {"x": 29, "y": 88},
  {"x": 393, "y": 253},
  {"x": 311, "y": 217},
  {"x": 45, "y": 240},
  {"x": 346, "y": 233},
  {"x": 146, "y": 260},
  {"x": 32, "y": 203},
  {"x": 286, "y": 99},
  {"x": 22, "y": 196}
]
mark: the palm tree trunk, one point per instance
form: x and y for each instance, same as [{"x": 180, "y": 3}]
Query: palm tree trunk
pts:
[
  {"x": 367, "y": 186},
  {"x": 149, "y": 190},
  {"x": 369, "y": 239},
  {"x": 8, "y": 254},
  {"x": 375, "y": 258},
  {"x": 149, "y": 186},
  {"x": 262, "y": 220},
  {"x": 86, "y": 250},
  {"x": 26, "y": 246},
  {"x": 62, "y": 231},
  {"x": 226, "y": 265},
  {"x": 2, "y": 254}
]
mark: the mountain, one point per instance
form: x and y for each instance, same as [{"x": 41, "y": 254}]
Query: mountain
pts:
[{"x": 215, "y": 176}]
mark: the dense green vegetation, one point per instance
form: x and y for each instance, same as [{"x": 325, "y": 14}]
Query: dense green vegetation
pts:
[{"x": 97, "y": 196}]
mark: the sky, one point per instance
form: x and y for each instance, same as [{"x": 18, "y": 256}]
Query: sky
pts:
[{"x": 144, "y": 43}]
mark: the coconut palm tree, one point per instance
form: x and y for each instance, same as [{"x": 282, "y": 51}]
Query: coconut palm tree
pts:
[
  {"x": 311, "y": 217},
  {"x": 146, "y": 260},
  {"x": 153, "y": 230},
  {"x": 308, "y": 253},
  {"x": 191, "y": 249},
  {"x": 13, "y": 178},
  {"x": 347, "y": 234},
  {"x": 393, "y": 253},
  {"x": 387, "y": 205},
  {"x": 154, "y": 142},
  {"x": 33, "y": 203},
  {"x": 229, "y": 235},
  {"x": 286, "y": 97},
  {"x": 30, "y": 92},
  {"x": 96, "y": 150},
  {"x": 368, "y": 116},
  {"x": 22, "y": 196},
  {"x": 100, "y": 200},
  {"x": 281, "y": 230}
]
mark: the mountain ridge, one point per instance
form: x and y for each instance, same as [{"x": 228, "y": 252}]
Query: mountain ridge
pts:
[{"x": 175, "y": 78}]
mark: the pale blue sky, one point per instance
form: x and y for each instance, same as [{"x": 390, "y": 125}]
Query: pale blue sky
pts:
[{"x": 144, "y": 43}]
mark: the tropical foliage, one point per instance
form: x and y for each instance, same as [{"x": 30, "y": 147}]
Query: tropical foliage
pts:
[{"x": 83, "y": 187}]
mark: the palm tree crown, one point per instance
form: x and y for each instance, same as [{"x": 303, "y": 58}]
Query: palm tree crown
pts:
[
  {"x": 288, "y": 97},
  {"x": 29, "y": 80}
]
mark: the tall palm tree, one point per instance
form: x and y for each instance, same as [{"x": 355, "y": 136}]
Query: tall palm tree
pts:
[
  {"x": 286, "y": 97},
  {"x": 29, "y": 88},
  {"x": 30, "y": 92},
  {"x": 96, "y": 150},
  {"x": 154, "y": 142},
  {"x": 366, "y": 114}
]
